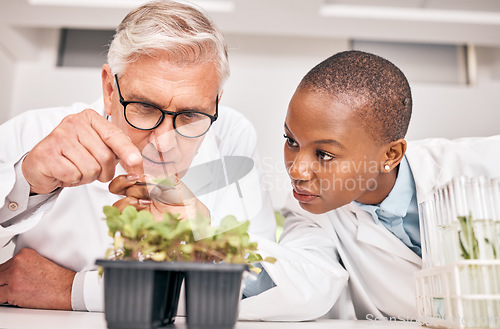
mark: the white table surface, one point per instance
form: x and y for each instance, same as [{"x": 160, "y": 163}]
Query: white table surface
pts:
[{"x": 18, "y": 318}]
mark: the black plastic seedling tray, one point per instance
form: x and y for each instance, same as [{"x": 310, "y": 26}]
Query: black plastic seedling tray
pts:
[
  {"x": 140, "y": 295},
  {"x": 145, "y": 295},
  {"x": 213, "y": 293}
]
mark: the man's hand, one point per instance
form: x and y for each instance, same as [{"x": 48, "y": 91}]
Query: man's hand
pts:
[
  {"x": 32, "y": 281},
  {"x": 157, "y": 199},
  {"x": 84, "y": 147}
]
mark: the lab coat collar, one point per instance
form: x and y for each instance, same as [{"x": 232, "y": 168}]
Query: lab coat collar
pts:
[
  {"x": 399, "y": 199},
  {"x": 427, "y": 173},
  {"x": 377, "y": 235}
]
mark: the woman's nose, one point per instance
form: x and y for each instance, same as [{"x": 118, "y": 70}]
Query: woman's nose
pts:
[{"x": 300, "y": 169}]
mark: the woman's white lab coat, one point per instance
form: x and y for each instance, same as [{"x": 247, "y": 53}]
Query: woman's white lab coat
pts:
[{"x": 376, "y": 279}]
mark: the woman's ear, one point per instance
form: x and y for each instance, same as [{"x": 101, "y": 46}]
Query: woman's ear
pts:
[
  {"x": 107, "y": 87},
  {"x": 394, "y": 154}
]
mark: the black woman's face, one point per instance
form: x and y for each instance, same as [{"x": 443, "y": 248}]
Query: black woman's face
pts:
[{"x": 330, "y": 158}]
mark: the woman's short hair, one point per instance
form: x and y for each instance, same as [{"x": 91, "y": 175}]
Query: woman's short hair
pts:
[
  {"x": 178, "y": 30},
  {"x": 373, "y": 87}
]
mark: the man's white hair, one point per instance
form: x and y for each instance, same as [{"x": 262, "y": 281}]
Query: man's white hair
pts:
[{"x": 178, "y": 30}]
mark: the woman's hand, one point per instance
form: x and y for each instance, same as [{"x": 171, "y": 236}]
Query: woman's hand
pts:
[{"x": 156, "y": 198}]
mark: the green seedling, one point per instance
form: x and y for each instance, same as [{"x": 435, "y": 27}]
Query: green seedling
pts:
[{"x": 137, "y": 236}]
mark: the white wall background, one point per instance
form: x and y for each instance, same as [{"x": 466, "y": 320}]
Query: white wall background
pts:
[{"x": 265, "y": 70}]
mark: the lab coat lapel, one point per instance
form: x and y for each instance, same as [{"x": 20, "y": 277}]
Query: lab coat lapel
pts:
[
  {"x": 379, "y": 236},
  {"x": 426, "y": 170},
  {"x": 427, "y": 173}
]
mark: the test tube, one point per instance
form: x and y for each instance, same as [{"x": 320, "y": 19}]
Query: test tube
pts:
[{"x": 430, "y": 247}]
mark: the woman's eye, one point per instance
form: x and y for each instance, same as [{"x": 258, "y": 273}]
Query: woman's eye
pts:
[
  {"x": 290, "y": 141},
  {"x": 324, "y": 156}
]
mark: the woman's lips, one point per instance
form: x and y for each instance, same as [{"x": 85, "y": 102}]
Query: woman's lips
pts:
[{"x": 303, "y": 195}]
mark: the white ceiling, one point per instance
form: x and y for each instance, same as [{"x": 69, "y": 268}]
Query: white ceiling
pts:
[
  {"x": 430, "y": 21},
  {"x": 474, "y": 5}
]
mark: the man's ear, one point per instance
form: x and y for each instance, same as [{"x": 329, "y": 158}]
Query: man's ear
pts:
[
  {"x": 108, "y": 81},
  {"x": 394, "y": 154}
]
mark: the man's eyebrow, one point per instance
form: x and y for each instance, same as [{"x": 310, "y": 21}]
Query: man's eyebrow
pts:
[
  {"x": 330, "y": 141},
  {"x": 197, "y": 109},
  {"x": 138, "y": 98}
]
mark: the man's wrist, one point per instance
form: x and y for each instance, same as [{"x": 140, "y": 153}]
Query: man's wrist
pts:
[{"x": 56, "y": 190}]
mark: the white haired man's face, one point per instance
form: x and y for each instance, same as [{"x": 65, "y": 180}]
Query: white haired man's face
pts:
[{"x": 167, "y": 86}]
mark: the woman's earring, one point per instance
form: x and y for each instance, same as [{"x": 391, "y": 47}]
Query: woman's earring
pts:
[{"x": 387, "y": 167}]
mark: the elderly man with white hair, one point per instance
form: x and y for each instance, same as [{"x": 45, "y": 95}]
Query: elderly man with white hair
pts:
[{"x": 158, "y": 116}]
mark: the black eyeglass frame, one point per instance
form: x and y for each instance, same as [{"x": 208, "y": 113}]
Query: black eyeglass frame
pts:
[{"x": 174, "y": 115}]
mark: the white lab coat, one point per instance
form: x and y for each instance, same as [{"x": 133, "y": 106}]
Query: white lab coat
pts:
[
  {"x": 69, "y": 228},
  {"x": 377, "y": 279}
]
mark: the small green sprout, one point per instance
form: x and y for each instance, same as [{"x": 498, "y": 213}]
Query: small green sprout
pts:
[{"x": 137, "y": 236}]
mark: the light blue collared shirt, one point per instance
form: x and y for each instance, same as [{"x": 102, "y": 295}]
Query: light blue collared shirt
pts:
[{"x": 399, "y": 211}]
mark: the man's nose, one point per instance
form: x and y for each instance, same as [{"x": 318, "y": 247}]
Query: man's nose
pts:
[{"x": 164, "y": 136}]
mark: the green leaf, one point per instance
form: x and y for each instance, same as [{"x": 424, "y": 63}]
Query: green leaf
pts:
[
  {"x": 146, "y": 216},
  {"x": 114, "y": 224},
  {"x": 129, "y": 214},
  {"x": 253, "y": 258},
  {"x": 271, "y": 260},
  {"x": 469, "y": 244},
  {"x": 144, "y": 220},
  {"x": 233, "y": 241},
  {"x": 186, "y": 248},
  {"x": 164, "y": 181},
  {"x": 228, "y": 222},
  {"x": 256, "y": 270},
  {"x": 129, "y": 231},
  {"x": 138, "y": 235},
  {"x": 159, "y": 256},
  {"x": 111, "y": 211},
  {"x": 280, "y": 219}
]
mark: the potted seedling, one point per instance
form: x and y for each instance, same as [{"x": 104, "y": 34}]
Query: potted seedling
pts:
[{"x": 144, "y": 269}]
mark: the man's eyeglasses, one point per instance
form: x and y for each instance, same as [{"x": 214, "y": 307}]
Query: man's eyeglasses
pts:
[{"x": 144, "y": 116}]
